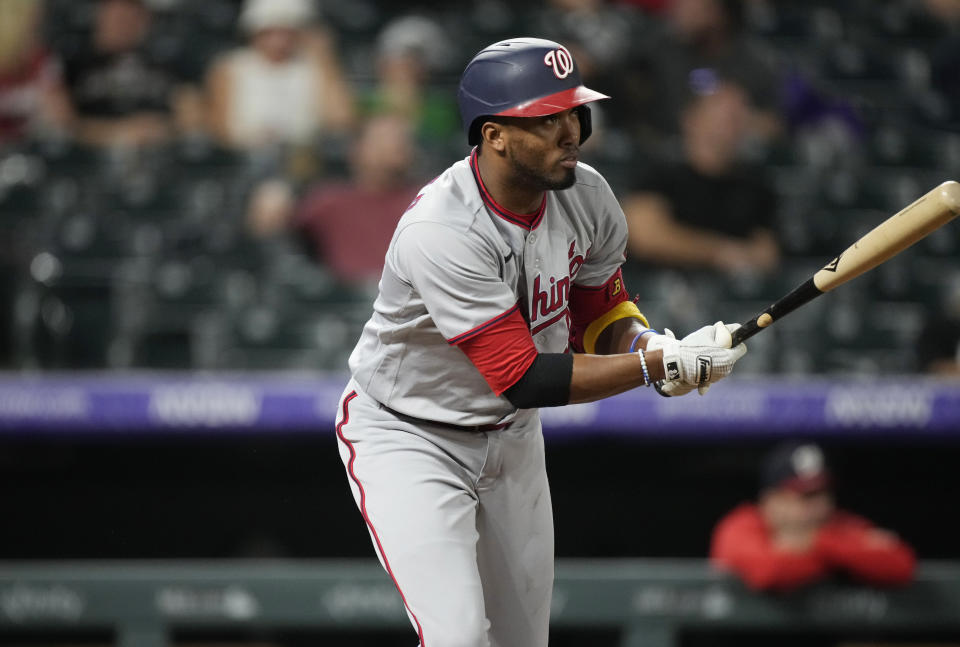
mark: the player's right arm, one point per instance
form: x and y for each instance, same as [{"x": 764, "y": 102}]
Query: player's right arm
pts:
[{"x": 556, "y": 379}]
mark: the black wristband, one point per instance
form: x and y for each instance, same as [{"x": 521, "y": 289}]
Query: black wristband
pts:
[{"x": 545, "y": 384}]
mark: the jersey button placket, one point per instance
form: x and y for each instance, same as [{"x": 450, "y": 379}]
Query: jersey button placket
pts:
[{"x": 531, "y": 241}]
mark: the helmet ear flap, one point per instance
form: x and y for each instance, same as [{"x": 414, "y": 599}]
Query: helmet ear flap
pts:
[
  {"x": 473, "y": 135},
  {"x": 586, "y": 122}
]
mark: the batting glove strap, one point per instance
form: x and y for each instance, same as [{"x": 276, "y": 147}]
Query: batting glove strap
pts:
[{"x": 673, "y": 389}]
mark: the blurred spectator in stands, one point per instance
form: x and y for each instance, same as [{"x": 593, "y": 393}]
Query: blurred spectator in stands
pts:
[
  {"x": 285, "y": 86},
  {"x": 946, "y": 10},
  {"x": 348, "y": 225},
  {"x": 938, "y": 346},
  {"x": 795, "y": 535},
  {"x": 31, "y": 96},
  {"x": 827, "y": 128},
  {"x": 411, "y": 52},
  {"x": 122, "y": 91},
  {"x": 650, "y": 6},
  {"x": 705, "y": 40},
  {"x": 708, "y": 211}
]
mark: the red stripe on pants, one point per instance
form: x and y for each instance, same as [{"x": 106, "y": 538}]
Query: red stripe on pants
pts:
[{"x": 363, "y": 509}]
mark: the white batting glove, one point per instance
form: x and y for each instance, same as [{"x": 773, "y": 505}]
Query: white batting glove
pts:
[
  {"x": 699, "y": 359},
  {"x": 672, "y": 389}
]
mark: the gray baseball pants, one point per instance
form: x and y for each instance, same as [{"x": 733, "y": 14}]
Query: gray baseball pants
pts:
[{"x": 461, "y": 521}]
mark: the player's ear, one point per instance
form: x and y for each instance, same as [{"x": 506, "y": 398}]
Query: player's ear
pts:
[{"x": 492, "y": 134}]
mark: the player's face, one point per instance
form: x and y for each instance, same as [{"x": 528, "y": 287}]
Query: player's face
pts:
[{"x": 543, "y": 151}]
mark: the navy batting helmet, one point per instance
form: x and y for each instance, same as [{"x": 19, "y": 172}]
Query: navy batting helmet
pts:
[{"x": 522, "y": 77}]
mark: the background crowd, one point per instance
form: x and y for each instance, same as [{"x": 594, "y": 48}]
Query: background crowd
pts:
[{"x": 212, "y": 184}]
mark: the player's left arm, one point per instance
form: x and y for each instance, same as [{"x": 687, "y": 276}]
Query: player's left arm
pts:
[
  {"x": 605, "y": 321},
  {"x": 619, "y": 336}
]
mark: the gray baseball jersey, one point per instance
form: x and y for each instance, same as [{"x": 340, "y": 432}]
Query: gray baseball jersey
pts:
[
  {"x": 457, "y": 263},
  {"x": 460, "y": 517}
]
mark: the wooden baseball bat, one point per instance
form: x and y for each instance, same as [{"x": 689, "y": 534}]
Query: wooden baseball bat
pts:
[{"x": 934, "y": 209}]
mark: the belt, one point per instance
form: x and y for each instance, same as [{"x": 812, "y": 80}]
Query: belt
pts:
[{"x": 445, "y": 425}]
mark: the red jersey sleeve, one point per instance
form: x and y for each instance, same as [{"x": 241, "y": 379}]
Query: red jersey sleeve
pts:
[
  {"x": 741, "y": 544},
  {"x": 501, "y": 349},
  {"x": 853, "y": 544}
]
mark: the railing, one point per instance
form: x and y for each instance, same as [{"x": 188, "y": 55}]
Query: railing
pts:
[{"x": 649, "y": 601}]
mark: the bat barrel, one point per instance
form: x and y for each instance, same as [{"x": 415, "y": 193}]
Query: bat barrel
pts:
[
  {"x": 930, "y": 211},
  {"x": 915, "y": 221}
]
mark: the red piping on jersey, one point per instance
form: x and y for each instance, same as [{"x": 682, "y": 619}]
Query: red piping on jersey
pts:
[
  {"x": 549, "y": 322},
  {"x": 363, "y": 509},
  {"x": 529, "y": 221},
  {"x": 478, "y": 329}
]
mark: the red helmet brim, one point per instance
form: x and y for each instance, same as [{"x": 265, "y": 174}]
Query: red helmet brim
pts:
[{"x": 554, "y": 103}]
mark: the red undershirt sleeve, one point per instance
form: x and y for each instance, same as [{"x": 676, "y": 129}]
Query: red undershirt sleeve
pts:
[
  {"x": 501, "y": 349},
  {"x": 589, "y": 303}
]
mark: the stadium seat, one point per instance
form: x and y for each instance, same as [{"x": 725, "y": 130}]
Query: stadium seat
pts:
[
  {"x": 70, "y": 316},
  {"x": 290, "y": 339}
]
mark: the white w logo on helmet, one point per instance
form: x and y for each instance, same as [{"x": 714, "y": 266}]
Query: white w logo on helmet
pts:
[{"x": 561, "y": 62}]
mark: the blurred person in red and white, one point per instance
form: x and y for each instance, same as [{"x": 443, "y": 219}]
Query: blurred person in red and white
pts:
[
  {"x": 347, "y": 224},
  {"x": 285, "y": 86},
  {"x": 795, "y": 535},
  {"x": 31, "y": 95}
]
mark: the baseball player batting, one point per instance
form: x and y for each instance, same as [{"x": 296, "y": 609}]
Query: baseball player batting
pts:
[{"x": 501, "y": 293}]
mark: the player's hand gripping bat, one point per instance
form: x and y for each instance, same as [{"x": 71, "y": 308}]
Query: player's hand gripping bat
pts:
[{"x": 892, "y": 236}]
